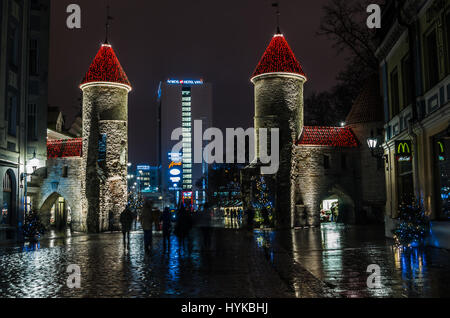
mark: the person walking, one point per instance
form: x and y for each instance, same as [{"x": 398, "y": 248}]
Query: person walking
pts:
[
  {"x": 156, "y": 218},
  {"x": 204, "y": 223},
  {"x": 146, "y": 219},
  {"x": 126, "y": 220},
  {"x": 183, "y": 225},
  {"x": 166, "y": 227},
  {"x": 265, "y": 215},
  {"x": 250, "y": 218},
  {"x": 111, "y": 221}
]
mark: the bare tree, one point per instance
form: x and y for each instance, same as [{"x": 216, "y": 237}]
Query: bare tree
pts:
[{"x": 344, "y": 23}]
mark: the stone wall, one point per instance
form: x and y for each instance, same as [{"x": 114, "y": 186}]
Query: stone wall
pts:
[
  {"x": 371, "y": 175},
  {"x": 312, "y": 182},
  {"x": 67, "y": 185}
]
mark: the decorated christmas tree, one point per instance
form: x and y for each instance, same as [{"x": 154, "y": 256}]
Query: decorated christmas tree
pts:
[
  {"x": 33, "y": 227},
  {"x": 263, "y": 201},
  {"x": 414, "y": 226}
]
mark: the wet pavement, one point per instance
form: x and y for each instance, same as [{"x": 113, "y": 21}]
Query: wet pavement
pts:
[{"x": 327, "y": 262}]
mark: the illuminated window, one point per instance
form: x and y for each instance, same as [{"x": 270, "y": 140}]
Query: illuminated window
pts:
[
  {"x": 186, "y": 99},
  {"x": 186, "y": 114},
  {"x": 186, "y": 109},
  {"x": 186, "y": 124},
  {"x": 186, "y": 119},
  {"x": 186, "y": 104}
]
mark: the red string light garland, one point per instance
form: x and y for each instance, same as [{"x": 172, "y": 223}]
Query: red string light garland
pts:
[
  {"x": 278, "y": 57},
  {"x": 328, "y": 136},
  {"x": 106, "y": 68},
  {"x": 64, "y": 148}
]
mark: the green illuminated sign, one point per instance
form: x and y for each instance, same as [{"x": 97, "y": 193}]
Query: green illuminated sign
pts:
[{"x": 403, "y": 148}]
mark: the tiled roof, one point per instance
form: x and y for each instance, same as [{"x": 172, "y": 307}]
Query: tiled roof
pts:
[
  {"x": 278, "y": 57},
  {"x": 106, "y": 68},
  {"x": 328, "y": 136},
  {"x": 368, "y": 105}
]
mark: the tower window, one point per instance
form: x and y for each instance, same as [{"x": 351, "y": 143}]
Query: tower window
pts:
[
  {"x": 102, "y": 148},
  {"x": 344, "y": 162},
  {"x": 326, "y": 162}
]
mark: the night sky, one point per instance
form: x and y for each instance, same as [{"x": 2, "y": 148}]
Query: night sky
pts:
[{"x": 219, "y": 41}]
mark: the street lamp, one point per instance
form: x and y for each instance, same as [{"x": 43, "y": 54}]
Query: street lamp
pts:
[{"x": 375, "y": 149}]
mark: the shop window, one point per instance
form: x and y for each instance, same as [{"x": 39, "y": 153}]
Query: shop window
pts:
[
  {"x": 442, "y": 175},
  {"x": 6, "y": 215},
  {"x": 395, "y": 98},
  {"x": 405, "y": 179}
]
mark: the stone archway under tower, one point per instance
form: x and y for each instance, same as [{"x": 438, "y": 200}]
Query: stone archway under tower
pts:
[
  {"x": 57, "y": 212},
  {"x": 336, "y": 206},
  {"x": 310, "y": 198}
]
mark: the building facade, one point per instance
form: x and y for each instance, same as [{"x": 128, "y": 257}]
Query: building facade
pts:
[
  {"x": 24, "y": 42},
  {"x": 147, "y": 178},
  {"x": 415, "y": 69},
  {"x": 181, "y": 103}
]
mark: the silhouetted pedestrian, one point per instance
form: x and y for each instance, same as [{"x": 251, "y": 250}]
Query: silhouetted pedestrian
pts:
[
  {"x": 183, "y": 225},
  {"x": 111, "y": 221},
  {"x": 166, "y": 226},
  {"x": 204, "y": 223},
  {"x": 146, "y": 219},
  {"x": 250, "y": 218},
  {"x": 126, "y": 220},
  {"x": 265, "y": 215}
]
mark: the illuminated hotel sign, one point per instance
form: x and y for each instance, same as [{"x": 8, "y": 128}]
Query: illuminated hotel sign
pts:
[
  {"x": 184, "y": 82},
  {"x": 403, "y": 150}
]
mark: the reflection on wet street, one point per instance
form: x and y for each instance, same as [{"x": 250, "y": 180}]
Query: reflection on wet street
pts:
[
  {"x": 327, "y": 262},
  {"x": 337, "y": 257}
]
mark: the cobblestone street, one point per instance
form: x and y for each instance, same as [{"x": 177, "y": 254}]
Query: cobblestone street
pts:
[{"x": 327, "y": 262}]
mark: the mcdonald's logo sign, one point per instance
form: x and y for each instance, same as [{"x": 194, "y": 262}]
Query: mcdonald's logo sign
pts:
[{"x": 403, "y": 148}]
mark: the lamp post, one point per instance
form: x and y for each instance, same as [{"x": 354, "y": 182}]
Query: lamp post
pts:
[{"x": 375, "y": 149}]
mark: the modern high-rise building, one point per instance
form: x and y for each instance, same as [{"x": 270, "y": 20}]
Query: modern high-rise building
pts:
[
  {"x": 147, "y": 178},
  {"x": 180, "y": 104}
]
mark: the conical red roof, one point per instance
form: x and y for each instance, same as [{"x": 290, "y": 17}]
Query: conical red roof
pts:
[
  {"x": 106, "y": 68},
  {"x": 278, "y": 58}
]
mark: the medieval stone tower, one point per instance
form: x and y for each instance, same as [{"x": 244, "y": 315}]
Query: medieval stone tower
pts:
[
  {"x": 278, "y": 81},
  {"x": 105, "y": 141}
]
